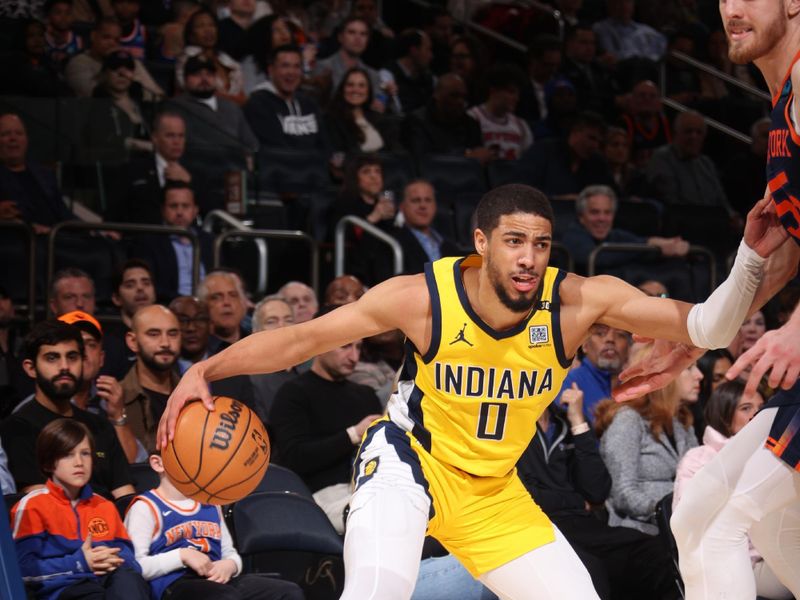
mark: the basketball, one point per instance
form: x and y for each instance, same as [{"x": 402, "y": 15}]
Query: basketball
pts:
[{"x": 217, "y": 457}]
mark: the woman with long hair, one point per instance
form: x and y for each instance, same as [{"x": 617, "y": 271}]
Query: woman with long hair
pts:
[
  {"x": 201, "y": 36},
  {"x": 641, "y": 443},
  {"x": 727, "y": 411}
]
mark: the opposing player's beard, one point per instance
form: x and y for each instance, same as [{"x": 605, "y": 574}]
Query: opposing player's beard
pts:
[
  {"x": 767, "y": 38},
  {"x": 522, "y": 304}
]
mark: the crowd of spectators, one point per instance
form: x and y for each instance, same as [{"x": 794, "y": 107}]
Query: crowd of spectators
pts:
[{"x": 369, "y": 103}]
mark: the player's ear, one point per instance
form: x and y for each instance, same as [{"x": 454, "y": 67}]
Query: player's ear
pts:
[
  {"x": 793, "y": 8},
  {"x": 481, "y": 241}
]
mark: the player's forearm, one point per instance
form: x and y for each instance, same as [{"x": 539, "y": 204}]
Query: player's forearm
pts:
[{"x": 780, "y": 268}]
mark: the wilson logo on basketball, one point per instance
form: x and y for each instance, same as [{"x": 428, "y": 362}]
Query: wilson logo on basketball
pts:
[
  {"x": 227, "y": 425},
  {"x": 98, "y": 527}
]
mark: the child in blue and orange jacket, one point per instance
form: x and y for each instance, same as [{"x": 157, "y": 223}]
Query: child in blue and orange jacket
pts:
[{"x": 70, "y": 542}]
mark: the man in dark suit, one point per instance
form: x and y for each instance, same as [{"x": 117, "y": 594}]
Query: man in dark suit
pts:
[
  {"x": 147, "y": 176},
  {"x": 421, "y": 243},
  {"x": 544, "y": 60},
  {"x": 171, "y": 256}
]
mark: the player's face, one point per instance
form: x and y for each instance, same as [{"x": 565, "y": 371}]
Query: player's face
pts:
[
  {"x": 753, "y": 27},
  {"x": 74, "y": 470},
  {"x": 746, "y": 409},
  {"x": 58, "y": 370},
  {"x": 135, "y": 291},
  {"x": 689, "y": 384},
  {"x": 516, "y": 255}
]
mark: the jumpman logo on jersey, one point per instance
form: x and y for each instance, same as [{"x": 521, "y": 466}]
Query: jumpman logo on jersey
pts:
[{"x": 461, "y": 337}]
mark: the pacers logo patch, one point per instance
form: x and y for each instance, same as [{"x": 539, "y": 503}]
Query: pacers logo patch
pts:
[
  {"x": 538, "y": 334},
  {"x": 370, "y": 467}
]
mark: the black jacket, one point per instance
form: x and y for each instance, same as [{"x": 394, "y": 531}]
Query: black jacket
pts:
[
  {"x": 563, "y": 475},
  {"x": 414, "y": 256},
  {"x": 343, "y": 139},
  {"x": 46, "y": 209},
  {"x": 141, "y": 196},
  {"x": 427, "y": 133}
]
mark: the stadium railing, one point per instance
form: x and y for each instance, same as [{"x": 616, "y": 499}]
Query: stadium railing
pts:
[
  {"x": 30, "y": 241},
  {"x": 370, "y": 229}
]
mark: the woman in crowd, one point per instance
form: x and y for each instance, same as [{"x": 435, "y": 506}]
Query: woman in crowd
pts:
[
  {"x": 641, "y": 443},
  {"x": 363, "y": 195},
  {"x": 727, "y": 411},
  {"x": 749, "y": 333},
  {"x": 353, "y": 126},
  {"x": 201, "y": 36},
  {"x": 713, "y": 365}
]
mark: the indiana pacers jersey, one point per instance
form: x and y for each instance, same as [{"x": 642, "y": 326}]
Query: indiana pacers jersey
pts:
[
  {"x": 472, "y": 400},
  {"x": 198, "y": 527},
  {"x": 783, "y": 159}
]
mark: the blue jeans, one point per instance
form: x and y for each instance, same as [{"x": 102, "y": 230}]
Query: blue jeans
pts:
[{"x": 444, "y": 578}]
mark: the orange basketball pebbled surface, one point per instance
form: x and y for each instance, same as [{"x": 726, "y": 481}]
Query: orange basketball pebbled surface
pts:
[{"x": 217, "y": 457}]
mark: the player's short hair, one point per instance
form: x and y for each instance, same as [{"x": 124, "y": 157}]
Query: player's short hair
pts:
[
  {"x": 57, "y": 440},
  {"x": 509, "y": 199}
]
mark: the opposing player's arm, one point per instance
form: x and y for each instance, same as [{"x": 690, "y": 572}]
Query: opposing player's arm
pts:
[{"x": 399, "y": 303}]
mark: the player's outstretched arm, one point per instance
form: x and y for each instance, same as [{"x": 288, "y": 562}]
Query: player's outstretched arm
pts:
[{"x": 392, "y": 304}]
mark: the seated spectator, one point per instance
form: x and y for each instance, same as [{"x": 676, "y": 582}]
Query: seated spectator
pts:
[
  {"x": 713, "y": 365},
  {"x": 27, "y": 70},
  {"x": 271, "y": 312},
  {"x": 680, "y": 173},
  {"x": 641, "y": 443},
  {"x": 467, "y": 60},
  {"x": 562, "y": 109},
  {"x": 743, "y": 177},
  {"x": 173, "y": 257},
  {"x": 14, "y": 384},
  {"x": 71, "y": 289},
  {"x": 212, "y": 121},
  {"x": 438, "y": 23},
  {"x": 564, "y": 473},
  {"x": 7, "y": 485},
  {"x": 58, "y": 559},
  {"x": 504, "y": 133},
  {"x": 134, "y": 34},
  {"x": 623, "y": 38},
  {"x": 353, "y": 39},
  {"x": 102, "y": 394},
  {"x": 302, "y": 298},
  {"x": 727, "y": 412},
  {"x": 54, "y": 359},
  {"x": 119, "y": 126},
  {"x": 682, "y": 80},
  {"x": 351, "y": 124},
  {"x": 279, "y": 115},
  {"x": 61, "y": 42},
  {"x": 629, "y": 181},
  {"x": 171, "y": 32},
  {"x": 205, "y": 565},
  {"x": 132, "y": 288},
  {"x": 605, "y": 353},
  {"x": 224, "y": 296},
  {"x": 155, "y": 339},
  {"x": 201, "y": 36},
  {"x": 381, "y": 47},
  {"x": 318, "y": 420},
  {"x": 411, "y": 69},
  {"x": 82, "y": 70},
  {"x": 562, "y": 168},
  {"x": 263, "y": 37},
  {"x": 147, "y": 175},
  {"x": 363, "y": 194},
  {"x": 595, "y": 208},
  {"x": 343, "y": 290},
  {"x": 28, "y": 191},
  {"x": 544, "y": 61},
  {"x": 594, "y": 85},
  {"x": 646, "y": 123},
  {"x": 233, "y": 29},
  {"x": 749, "y": 333},
  {"x": 443, "y": 126},
  {"x": 421, "y": 243}
]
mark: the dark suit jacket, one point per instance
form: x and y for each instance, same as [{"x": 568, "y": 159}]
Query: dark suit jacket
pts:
[
  {"x": 426, "y": 133},
  {"x": 48, "y": 209},
  {"x": 141, "y": 196},
  {"x": 414, "y": 256},
  {"x": 159, "y": 252},
  {"x": 226, "y": 128}
]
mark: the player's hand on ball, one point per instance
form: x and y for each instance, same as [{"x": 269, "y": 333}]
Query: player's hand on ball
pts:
[
  {"x": 197, "y": 561},
  {"x": 191, "y": 386},
  {"x": 776, "y": 351},
  {"x": 656, "y": 370},
  {"x": 221, "y": 571}
]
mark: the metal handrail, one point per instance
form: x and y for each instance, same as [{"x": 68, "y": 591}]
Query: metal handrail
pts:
[
  {"x": 563, "y": 249},
  {"x": 706, "y": 68},
  {"x": 558, "y": 17},
  {"x": 275, "y": 234},
  {"x": 28, "y": 231},
  {"x": 339, "y": 242},
  {"x": 713, "y": 123},
  {"x": 120, "y": 228},
  {"x": 261, "y": 245},
  {"x": 639, "y": 248}
]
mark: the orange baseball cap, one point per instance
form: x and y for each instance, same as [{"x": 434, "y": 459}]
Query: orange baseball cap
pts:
[{"x": 83, "y": 320}]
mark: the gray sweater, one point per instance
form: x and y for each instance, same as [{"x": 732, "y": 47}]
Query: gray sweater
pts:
[{"x": 642, "y": 469}]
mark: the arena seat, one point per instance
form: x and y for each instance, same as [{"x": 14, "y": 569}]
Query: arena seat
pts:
[
  {"x": 453, "y": 177},
  {"x": 144, "y": 478},
  {"x": 501, "y": 172},
  {"x": 287, "y": 534},
  {"x": 285, "y": 171},
  {"x": 398, "y": 170},
  {"x": 209, "y": 168},
  {"x": 281, "y": 479},
  {"x": 641, "y": 218},
  {"x": 122, "y": 503}
]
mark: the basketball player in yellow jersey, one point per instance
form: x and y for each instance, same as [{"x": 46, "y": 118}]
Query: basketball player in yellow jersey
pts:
[{"x": 489, "y": 340}]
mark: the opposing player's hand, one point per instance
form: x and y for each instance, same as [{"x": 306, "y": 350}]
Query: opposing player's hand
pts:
[
  {"x": 777, "y": 352},
  {"x": 197, "y": 561},
  {"x": 192, "y": 386},
  {"x": 572, "y": 398},
  {"x": 221, "y": 571},
  {"x": 656, "y": 370},
  {"x": 763, "y": 231}
]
